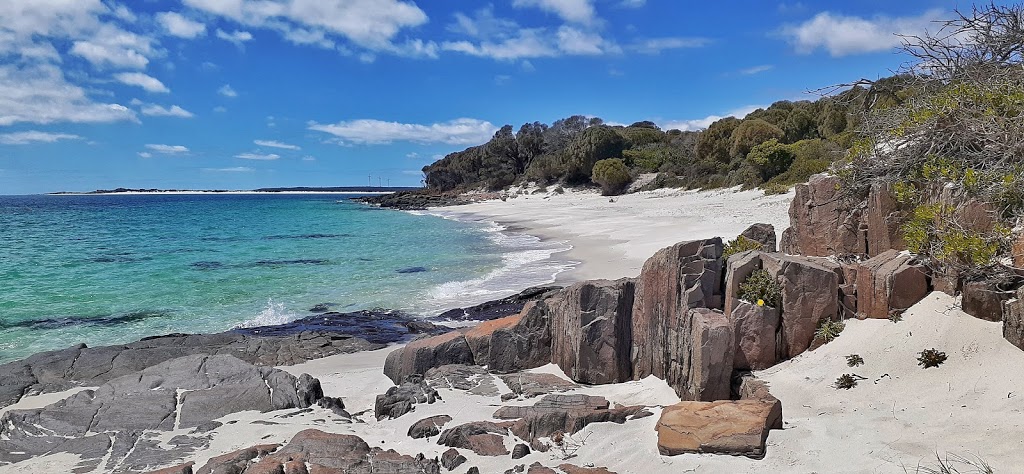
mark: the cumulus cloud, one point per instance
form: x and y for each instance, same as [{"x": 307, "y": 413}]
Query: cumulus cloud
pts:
[
  {"x": 111, "y": 46},
  {"x": 154, "y": 110},
  {"x": 34, "y": 136},
  {"x": 237, "y": 37},
  {"x": 842, "y": 35},
  {"x": 257, "y": 156},
  {"x": 227, "y": 91},
  {"x": 276, "y": 144},
  {"x": 463, "y": 131},
  {"x": 168, "y": 149},
  {"x": 177, "y": 25},
  {"x": 40, "y": 94},
  {"x": 138, "y": 79},
  {"x": 577, "y": 11},
  {"x": 702, "y": 123}
]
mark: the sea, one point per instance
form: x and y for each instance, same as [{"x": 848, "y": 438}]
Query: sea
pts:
[{"x": 113, "y": 268}]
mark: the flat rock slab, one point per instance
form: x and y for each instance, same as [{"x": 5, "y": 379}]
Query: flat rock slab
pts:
[
  {"x": 737, "y": 427},
  {"x": 564, "y": 414},
  {"x": 401, "y": 399},
  {"x": 470, "y": 378},
  {"x": 118, "y": 423},
  {"x": 482, "y": 437},
  {"x": 529, "y": 384}
]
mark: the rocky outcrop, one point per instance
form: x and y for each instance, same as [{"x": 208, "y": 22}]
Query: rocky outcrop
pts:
[
  {"x": 755, "y": 337},
  {"x": 499, "y": 308},
  {"x": 882, "y": 219},
  {"x": 809, "y": 295},
  {"x": 1013, "y": 320},
  {"x": 451, "y": 459},
  {"x": 737, "y": 427},
  {"x": 520, "y": 450},
  {"x": 821, "y": 223},
  {"x": 737, "y": 269},
  {"x": 711, "y": 357},
  {"x": 479, "y": 336},
  {"x": 591, "y": 331},
  {"x": 482, "y": 437},
  {"x": 116, "y": 423},
  {"x": 675, "y": 280},
  {"x": 984, "y": 299},
  {"x": 525, "y": 345},
  {"x": 470, "y": 378},
  {"x": 401, "y": 399},
  {"x": 889, "y": 282},
  {"x": 428, "y": 427},
  {"x": 565, "y": 414},
  {"x": 419, "y": 356},
  {"x": 763, "y": 234}
]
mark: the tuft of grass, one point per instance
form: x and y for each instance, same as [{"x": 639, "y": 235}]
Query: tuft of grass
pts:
[
  {"x": 931, "y": 358},
  {"x": 854, "y": 360},
  {"x": 952, "y": 464},
  {"x": 828, "y": 330},
  {"x": 846, "y": 382},
  {"x": 895, "y": 316},
  {"x": 739, "y": 244}
]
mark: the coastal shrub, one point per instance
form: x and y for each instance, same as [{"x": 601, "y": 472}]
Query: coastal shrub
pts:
[
  {"x": 739, "y": 244},
  {"x": 846, "y": 382},
  {"x": 828, "y": 330},
  {"x": 854, "y": 360},
  {"x": 930, "y": 358},
  {"x": 760, "y": 288},
  {"x": 774, "y": 188},
  {"x": 770, "y": 158},
  {"x": 612, "y": 175}
]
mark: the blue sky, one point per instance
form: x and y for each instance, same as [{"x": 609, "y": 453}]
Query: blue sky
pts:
[{"x": 238, "y": 94}]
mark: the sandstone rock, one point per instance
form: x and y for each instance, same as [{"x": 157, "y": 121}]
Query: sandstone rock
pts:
[
  {"x": 756, "y": 331},
  {"x": 530, "y": 384},
  {"x": 537, "y": 468},
  {"x": 984, "y": 300},
  {"x": 887, "y": 282},
  {"x": 820, "y": 223},
  {"x": 479, "y": 337},
  {"x": 451, "y": 459},
  {"x": 482, "y": 437},
  {"x": 1013, "y": 320},
  {"x": 763, "y": 234},
  {"x": 563, "y": 414},
  {"x": 883, "y": 219},
  {"x": 401, "y": 399},
  {"x": 237, "y": 461},
  {"x": 520, "y": 451},
  {"x": 809, "y": 295},
  {"x": 471, "y": 378},
  {"x": 675, "y": 280},
  {"x": 419, "y": 356},
  {"x": 428, "y": 427},
  {"x": 738, "y": 427},
  {"x": 525, "y": 345},
  {"x": 574, "y": 469},
  {"x": 712, "y": 356},
  {"x": 590, "y": 329},
  {"x": 738, "y": 269},
  {"x": 1017, "y": 250},
  {"x": 329, "y": 453}
]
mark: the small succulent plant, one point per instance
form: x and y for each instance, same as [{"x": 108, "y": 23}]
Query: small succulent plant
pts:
[
  {"x": 854, "y": 360},
  {"x": 931, "y": 358},
  {"x": 846, "y": 382},
  {"x": 829, "y": 330}
]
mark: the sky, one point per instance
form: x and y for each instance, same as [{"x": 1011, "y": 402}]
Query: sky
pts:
[{"x": 241, "y": 94}]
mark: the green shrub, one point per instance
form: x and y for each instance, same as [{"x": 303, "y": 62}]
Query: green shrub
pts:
[
  {"x": 761, "y": 289},
  {"x": 854, "y": 360},
  {"x": 612, "y": 175},
  {"x": 774, "y": 188},
  {"x": 828, "y": 330},
  {"x": 846, "y": 382},
  {"x": 740, "y": 244}
]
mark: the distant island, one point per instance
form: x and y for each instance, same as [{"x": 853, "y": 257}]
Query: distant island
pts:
[{"x": 299, "y": 189}]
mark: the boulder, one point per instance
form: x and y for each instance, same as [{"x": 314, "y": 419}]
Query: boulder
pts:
[
  {"x": 538, "y": 468},
  {"x": 574, "y": 469},
  {"x": 809, "y": 295},
  {"x": 479, "y": 336},
  {"x": 482, "y": 437},
  {"x": 888, "y": 282},
  {"x": 526, "y": 344},
  {"x": 237, "y": 461},
  {"x": 419, "y": 356},
  {"x": 712, "y": 355},
  {"x": 401, "y": 399},
  {"x": 821, "y": 223},
  {"x": 564, "y": 414},
  {"x": 590, "y": 331},
  {"x": 509, "y": 306},
  {"x": 451, "y": 459},
  {"x": 737, "y": 269},
  {"x": 532, "y": 384},
  {"x": 1013, "y": 320},
  {"x": 520, "y": 450},
  {"x": 675, "y": 280},
  {"x": 756, "y": 336},
  {"x": 984, "y": 299},
  {"x": 737, "y": 427},
  {"x": 883, "y": 218},
  {"x": 428, "y": 427},
  {"x": 763, "y": 234}
]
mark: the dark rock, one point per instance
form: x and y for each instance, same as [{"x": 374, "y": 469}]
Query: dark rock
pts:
[
  {"x": 401, "y": 399},
  {"x": 377, "y": 326},
  {"x": 525, "y": 345},
  {"x": 984, "y": 299},
  {"x": 591, "y": 331},
  {"x": 1013, "y": 320},
  {"x": 482, "y": 437},
  {"x": 763, "y": 234},
  {"x": 412, "y": 270},
  {"x": 418, "y": 200},
  {"x": 563, "y": 413},
  {"x": 322, "y": 307},
  {"x": 428, "y": 427},
  {"x": 473, "y": 470},
  {"x": 539, "y": 446},
  {"x": 574, "y": 469},
  {"x": 334, "y": 404},
  {"x": 500, "y": 308},
  {"x": 451, "y": 459},
  {"x": 421, "y": 355},
  {"x": 520, "y": 450}
]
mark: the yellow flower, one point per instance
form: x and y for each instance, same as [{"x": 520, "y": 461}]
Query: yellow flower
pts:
[{"x": 760, "y": 302}]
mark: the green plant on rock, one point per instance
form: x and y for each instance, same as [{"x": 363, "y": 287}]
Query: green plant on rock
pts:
[
  {"x": 762, "y": 289},
  {"x": 854, "y": 360},
  {"x": 740, "y": 244},
  {"x": 931, "y": 358},
  {"x": 846, "y": 382},
  {"x": 828, "y": 330}
]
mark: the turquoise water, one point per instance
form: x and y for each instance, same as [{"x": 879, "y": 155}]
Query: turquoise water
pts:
[{"x": 109, "y": 269}]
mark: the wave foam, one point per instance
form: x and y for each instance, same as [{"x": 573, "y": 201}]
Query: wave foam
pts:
[{"x": 271, "y": 315}]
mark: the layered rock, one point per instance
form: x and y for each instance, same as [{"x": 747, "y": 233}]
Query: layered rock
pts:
[
  {"x": 526, "y": 344},
  {"x": 889, "y": 282},
  {"x": 565, "y": 414},
  {"x": 821, "y": 223},
  {"x": 809, "y": 296},
  {"x": 482, "y": 437},
  {"x": 756, "y": 335},
  {"x": 737, "y": 427},
  {"x": 427, "y": 427},
  {"x": 419, "y": 356},
  {"x": 591, "y": 331}
]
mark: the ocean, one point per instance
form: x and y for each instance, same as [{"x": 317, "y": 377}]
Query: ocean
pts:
[{"x": 109, "y": 269}]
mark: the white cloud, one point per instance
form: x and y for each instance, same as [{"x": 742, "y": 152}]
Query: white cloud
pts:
[
  {"x": 276, "y": 144},
  {"x": 168, "y": 149},
  {"x": 40, "y": 94},
  {"x": 237, "y": 37},
  {"x": 154, "y": 110},
  {"x": 756, "y": 69},
  {"x": 577, "y": 11},
  {"x": 236, "y": 169},
  {"x": 700, "y": 124},
  {"x": 111, "y": 46},
  {"x": 528, "y": 43},
  {"x": 138, "y": 79},
  {"x": 34, "y": 136},
  {"x": 145, "y": 154},
  {"x": 219, "y": 109},
  {"x": 308, "y": 158},
  {"x": 657, "y": 45},
  {"x": 177, "y": 25},
  {"x": 257, "y": 156},
  {"x": 633, "y": 3},
  {"x": 844, "y": 35},
  {"x": 227, "y": 91},
  {"x": 574, "y": 41},
  {"x": 463, "y": 131}
]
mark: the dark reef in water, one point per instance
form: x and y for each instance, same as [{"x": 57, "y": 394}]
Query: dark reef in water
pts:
[
  {"x": 102, "y": 321},
  {"x": 377, "y": 326},
  {"x": 497, "y": 308},
  {"x": 412, "y": 270},
  {"x": 215, "y": 265},
  {"x": 306, "y": 236}
]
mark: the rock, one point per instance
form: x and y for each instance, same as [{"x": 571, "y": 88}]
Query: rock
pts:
[
  {"x": 738, "y": 427},
  {"x": 573, "y": 469},
  {"x": 737, "y": 269},
  {"x": 401, "y": 399},
  {"x": 1013, "y": 320},
  {"x": 520, "y": 451},
  {"x": 675, "y": 280},
  {"x": 482, "y": 437},
  {"x": 537, "y": 468},
  {"x": 471, "y": 378},
  {"x": 377, "y": 326},
  {"x": 889, "y": 282},
  {"x": 473, "y": 470},
  {"x": 336, "y": 405},
  {"x": 530, "y": 384},
  {"x": 179, "y": 469},
  {"x": 479, "y": 337},
  {"x": 525, "y": 345},
  {"x": 883, "y": 218},
  {"x": 821, "y": 224},
  {"x": 763, "y": 234},
  {"x": 809, "y": 295},
  {"x": 500, "y": 308},
  {"x": 419, "y": 356},
  {"x": 322, "y": 307},
  {"x": 590, "y": 329},
  {"x": 186, "y": 392},
  {"x": 451, "y": 459},
  {"x": 237, "y": 461},
  {"x": 539, "y": 446},
  {"x": 1017, "y": 250},
  {"x": 563, "y": 414},
  {"x": 412, "y": 270},
  {"x": 428, "y": 427},
  {"x": 984, "y": 299},
  {"x": 756, "y": 336},
  {"x": 712, "y": 356}
]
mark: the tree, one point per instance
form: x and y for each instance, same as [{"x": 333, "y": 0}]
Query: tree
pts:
[
  {"x": 530, "y": 144},
  {"x": 612, "y": 174},
  {"x": 770, "y": 158},
  {"x": 713, "y": 143},
  {"x": 591, "y": 146},
  {"x": 751, "y": 133}
]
